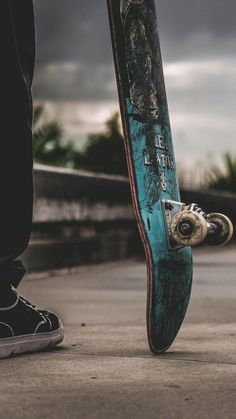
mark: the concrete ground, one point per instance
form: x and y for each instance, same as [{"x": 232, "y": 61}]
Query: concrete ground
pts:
[{"x": 104, "y": 368}]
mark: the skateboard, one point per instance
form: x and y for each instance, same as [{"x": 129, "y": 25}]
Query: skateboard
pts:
[{"x": 167, "y": 226}]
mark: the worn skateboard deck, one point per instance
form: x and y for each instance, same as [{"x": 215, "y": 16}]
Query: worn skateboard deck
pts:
[{"x": 151, "y": 163}]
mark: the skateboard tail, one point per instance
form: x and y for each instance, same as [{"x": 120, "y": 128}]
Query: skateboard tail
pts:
[{"x": 168, "y": 300}]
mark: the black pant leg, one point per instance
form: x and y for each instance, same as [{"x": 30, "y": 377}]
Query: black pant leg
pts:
[{"x": 16, "y": 72}]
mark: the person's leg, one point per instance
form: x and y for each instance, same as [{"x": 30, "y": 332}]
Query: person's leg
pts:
[
  {"x": 23, "y": 328},
  {"x": 16, "y": 71}
]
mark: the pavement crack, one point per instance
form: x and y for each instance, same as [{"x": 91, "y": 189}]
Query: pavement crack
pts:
[{"x": 160, "y": 358}]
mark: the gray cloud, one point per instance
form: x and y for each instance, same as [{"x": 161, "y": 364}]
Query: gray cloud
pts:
[
  {"x": 75, "y": 81},
  {"x": 73, "y": 30},
  {"x": 184, "y": 17},
  {"x": 78, "y": 30},
  {"x": 74, "y": 63}
]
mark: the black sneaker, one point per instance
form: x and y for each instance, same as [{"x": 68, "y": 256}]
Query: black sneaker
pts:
[{"x": 24, "y": 328}]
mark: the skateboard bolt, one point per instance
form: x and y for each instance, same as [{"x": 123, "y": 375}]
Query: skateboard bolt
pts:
[
  {"x": 168, "y": 206},
  {"x": 186, "y": 228}
]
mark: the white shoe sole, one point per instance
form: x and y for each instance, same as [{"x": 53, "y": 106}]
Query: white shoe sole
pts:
[{"x": 30, "y": 343}]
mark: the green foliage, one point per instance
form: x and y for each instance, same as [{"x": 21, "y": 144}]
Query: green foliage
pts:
[
  {"x": 223, "y": 179},
  {"x": 104, "y": 152},
  {"x": 48, "y": 147}
]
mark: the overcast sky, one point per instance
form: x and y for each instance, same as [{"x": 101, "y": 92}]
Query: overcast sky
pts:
[{"x": 75, "y": 74}]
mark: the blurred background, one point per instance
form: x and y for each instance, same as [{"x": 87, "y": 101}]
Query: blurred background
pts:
[
  {"x": 75, "y": 79},
  {"x": 76, "y": 118}
]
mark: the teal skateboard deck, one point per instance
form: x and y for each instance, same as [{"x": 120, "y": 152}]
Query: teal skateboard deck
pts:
[{"x": 151, "y": 163}]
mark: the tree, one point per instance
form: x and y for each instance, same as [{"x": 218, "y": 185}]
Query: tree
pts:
[
  {"x": 223, "y": 179},
  {"x": 48, "y": 147},
  {"x": 104, "y": 152}
]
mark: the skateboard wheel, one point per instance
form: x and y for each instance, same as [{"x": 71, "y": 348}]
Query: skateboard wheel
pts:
[
  {"x": 223, "y": 231},
  {"x": 188, "y": 228}
]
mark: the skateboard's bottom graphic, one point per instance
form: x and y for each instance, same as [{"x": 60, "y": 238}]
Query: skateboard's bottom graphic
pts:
[{"x": 168, "y": 298}]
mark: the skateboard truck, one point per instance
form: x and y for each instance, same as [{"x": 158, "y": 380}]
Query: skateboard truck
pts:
[{"x": 189, "y": 225}]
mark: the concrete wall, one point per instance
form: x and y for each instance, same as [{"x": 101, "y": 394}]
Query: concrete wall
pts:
[{"x": 82, "y": 217}]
